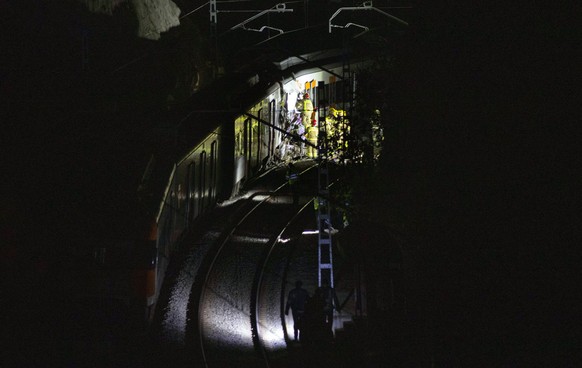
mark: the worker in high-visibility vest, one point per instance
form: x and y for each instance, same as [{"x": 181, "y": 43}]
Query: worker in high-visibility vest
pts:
[
  {"x": 330, "y": 129},
  {"x": 306, "y": 111},
  {"x": 330, "y": 122},
  {"x": 343, "y": 126},
  {"x": 299, "y": 103},
  {"x": 312, "y": 133}
]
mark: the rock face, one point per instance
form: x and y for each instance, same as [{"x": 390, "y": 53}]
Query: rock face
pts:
[{"x": 154, "y": 16}]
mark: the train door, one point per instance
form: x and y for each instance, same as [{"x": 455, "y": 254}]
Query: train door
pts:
[
  {"x": 166, "y": 223},
  {"x": 180, "y": 208},
  {"x": 266, "y": 134},
  {"x": 273, "y": 133},
  {"x": 166, "y": 232},
  {"x": 174, "y": 215},
  {"x": 249, "y": 144},
  {"x": 239, "y": 154}
]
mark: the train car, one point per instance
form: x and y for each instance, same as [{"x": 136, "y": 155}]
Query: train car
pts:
[{"x": 238, "y": 144}]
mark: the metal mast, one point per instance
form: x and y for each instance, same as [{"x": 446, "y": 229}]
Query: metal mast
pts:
[{"x": 213, "y": 11}]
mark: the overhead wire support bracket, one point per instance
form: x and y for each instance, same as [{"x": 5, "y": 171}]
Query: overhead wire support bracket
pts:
[
  {"x": 366, "y": 6},
  {"x": 263, "y": 28},
  {"x": 279, "y": 8},
  {"x": 366, "y": 29}
]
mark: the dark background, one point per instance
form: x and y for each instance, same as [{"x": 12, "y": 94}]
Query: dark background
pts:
[
  {"x": 484, "y": 168},
  {"x": 482, "y": 172}
]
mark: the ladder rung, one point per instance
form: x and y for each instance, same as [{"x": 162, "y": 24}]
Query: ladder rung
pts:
[{"x": 325, "y": 266}]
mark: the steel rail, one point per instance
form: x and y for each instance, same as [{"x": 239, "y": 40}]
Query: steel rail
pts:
[
  {"x": 221, "y": 247},
  {"x": 257, "y": 283}
]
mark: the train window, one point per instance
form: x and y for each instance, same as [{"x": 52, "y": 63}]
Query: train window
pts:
[
  {"x": 260, "y": 138},
  {"x": 191, "y": 196},
  {"x": 245, "y": 137},
  {"x": 240, "y": 136},
  {"x": 202, "y": 183},
  {"x": 330, "y": 93},
  {"x": 213, "y": 159},
  {"x": 239, "y": 144},
  {"x": 174, "y": 215},
  {"x": 249, "y": 141}
]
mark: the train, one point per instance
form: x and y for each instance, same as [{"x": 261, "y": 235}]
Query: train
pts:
[{"x": 221, "y": 142}]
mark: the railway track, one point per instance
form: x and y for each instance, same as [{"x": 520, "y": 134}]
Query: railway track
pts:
[
  {"x": 224, "y": 306},
  {"x": 236, "y": 304}
]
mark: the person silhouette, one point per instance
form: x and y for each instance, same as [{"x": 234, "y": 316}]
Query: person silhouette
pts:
[{"x": 296, "y": 302}]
